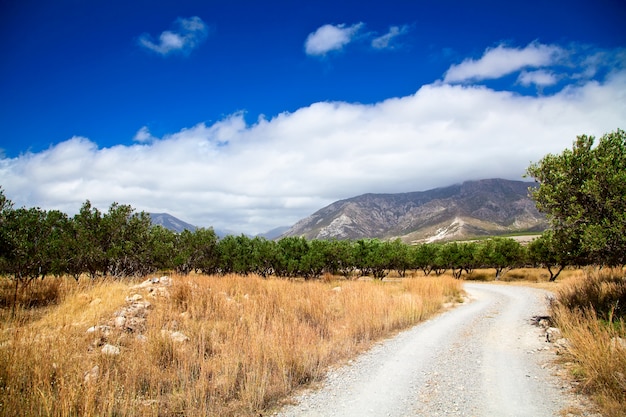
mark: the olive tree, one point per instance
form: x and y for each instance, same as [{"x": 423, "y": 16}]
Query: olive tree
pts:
[
  {"x": 340, "y": 258},
  {"x": 88, "y": 241},
  {"x": 583, "y": 192},
  {"x": 545, "y": 252},
  {"x": 32, "y": 240},
  {"x": 424, "y": 256},
  {"x": 502, "y": 254}
]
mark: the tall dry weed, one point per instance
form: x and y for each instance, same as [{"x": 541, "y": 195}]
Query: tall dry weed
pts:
[
  {"x": 251, "y": 342},
  {"x": 603, "y": 291},
  {"x": 597, "y": 344}
]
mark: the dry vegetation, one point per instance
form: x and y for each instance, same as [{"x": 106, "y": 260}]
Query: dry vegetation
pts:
[
  {"x": 251, "y": 342},
  {"x": 537, "y": 276},
  {"x": 591, "y": 311}
]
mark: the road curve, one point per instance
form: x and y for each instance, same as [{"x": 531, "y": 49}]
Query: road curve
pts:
[{"x": 483, "y": 358}]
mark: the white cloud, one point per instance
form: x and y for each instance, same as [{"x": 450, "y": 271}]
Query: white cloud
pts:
[
  {"x": 384, "y": 41},
  {"x": 330, "y": 38},
  {"x": 251, "y": 178},
  {"x": 503, "y": 60},
  {"x": 539, "y": 78},
  {"x": 599, "y": 61},
  {"x": 143, "y": 135},
  {"x": 186, "y": 35}
]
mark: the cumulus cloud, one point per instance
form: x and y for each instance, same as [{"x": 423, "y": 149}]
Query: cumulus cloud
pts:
[
  {"x": 599, "y": 61},
  {"x": 502, "y": 60},
  {"x": 330, "y": 38},
  {"x": 385, "y": 41},
  {"x": 539, "y": 78},
  {"x": 143, "y": 135},
  {"x": 253, "y": 177},
  {"x": 186, "y": 35}
]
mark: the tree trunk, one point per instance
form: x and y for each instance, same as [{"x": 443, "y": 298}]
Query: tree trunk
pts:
[
  {"x": 554, "y": 275},
  {"x": 17, "y": 281}
]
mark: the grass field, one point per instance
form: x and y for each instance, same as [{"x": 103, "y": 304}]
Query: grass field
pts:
[
  {"x": 247, "y": 343},
  {"x": 251, "y": 342},
  {"x": 590, "y": 310}
]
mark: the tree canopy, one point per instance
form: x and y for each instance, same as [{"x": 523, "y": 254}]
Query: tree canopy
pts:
[{"x": 583, "y": 192}]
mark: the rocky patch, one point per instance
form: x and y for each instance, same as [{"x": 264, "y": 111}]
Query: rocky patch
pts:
[{"x": 130, "y": 320}]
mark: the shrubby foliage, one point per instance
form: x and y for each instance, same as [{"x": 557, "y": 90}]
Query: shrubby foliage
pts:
[
  {"x": 583, "y": 192},
  {"x": 122, "y": 243}
]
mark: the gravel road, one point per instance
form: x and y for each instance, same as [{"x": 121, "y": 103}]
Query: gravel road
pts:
[{"x": 482, "y": 358}]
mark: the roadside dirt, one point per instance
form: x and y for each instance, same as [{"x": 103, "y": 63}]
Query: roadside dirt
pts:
[{"x": 483, "y": 358}]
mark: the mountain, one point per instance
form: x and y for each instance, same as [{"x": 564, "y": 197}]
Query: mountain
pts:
[
  {"x": 274, "y": 233},
  {"x": 170, "y": 222},
  {"x": 471, "y": 209},
  {"x": 176, "y": 225}
]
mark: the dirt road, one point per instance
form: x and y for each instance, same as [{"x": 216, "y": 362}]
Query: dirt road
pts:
[{"x": 483, "y": 359}]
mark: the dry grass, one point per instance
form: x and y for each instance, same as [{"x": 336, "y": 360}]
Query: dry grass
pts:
[
  {"x": 251, "y": 343},
  {"x": 533, "y": 277},
  {"x": 595, "y": 338}
]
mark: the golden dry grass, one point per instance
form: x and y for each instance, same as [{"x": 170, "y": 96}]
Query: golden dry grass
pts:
[
  {"x": 251, "y": 343},
  {"x": 596, "y": 352},
  {"x": 527, "y": 277}
]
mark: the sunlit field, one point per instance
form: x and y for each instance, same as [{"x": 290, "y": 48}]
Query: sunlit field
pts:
[
  {"x": 209, "y": 345},
  {"x": 590, "y": 310},
  {"x": 240, "y": 345}
]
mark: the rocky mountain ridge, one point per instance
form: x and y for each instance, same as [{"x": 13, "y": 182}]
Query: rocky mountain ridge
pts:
[
  {"x": 471, "y": 209},
  {"x": 170, "y": 222}
]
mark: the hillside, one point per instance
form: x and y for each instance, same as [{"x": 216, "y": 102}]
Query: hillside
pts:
[
  {"x": 471, "y": 209},
  {"x": 170, "y": 222}
]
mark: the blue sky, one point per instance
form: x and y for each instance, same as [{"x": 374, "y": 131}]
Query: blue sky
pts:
[{"x": 246, "y": 115}]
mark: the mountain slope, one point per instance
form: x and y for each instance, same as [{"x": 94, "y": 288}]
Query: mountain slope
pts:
[
  {"x": 170, "y": 222},
  {"x": 474, "y": 208},
  {"x": 274, "y": 233}
]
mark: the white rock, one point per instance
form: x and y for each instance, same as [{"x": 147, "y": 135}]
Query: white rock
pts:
[
  {"x": 106, "y": 330},
  {"x": 159, "y": 292},
  {"x": 179, "y": 337},
  {"x": 92, "y": 375},
  {"x": 562, "y": 345},
  {"x": 147, "y": 283},
  {"x": 120, "y": 322},
  {"x": 553, "y": 334},
  {"x": 134, "y": 297},
  {"x": 618, "y": 343},
  {"x": 110, "y": 350}
]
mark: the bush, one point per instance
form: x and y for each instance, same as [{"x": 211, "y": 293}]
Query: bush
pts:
[{"x": 603, "y": 291}]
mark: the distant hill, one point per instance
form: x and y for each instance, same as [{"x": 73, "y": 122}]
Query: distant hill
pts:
[
  {"x": 176, "y": 225},
  {"x": 170, "y": 222},
  {"x": 274, "y": 233},
  {"x": 471, "y": 209}
]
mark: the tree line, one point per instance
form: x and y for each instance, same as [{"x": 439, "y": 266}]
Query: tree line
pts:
[
  {"x": 36, "y": 243},
  {"x": 582, "y": 190}
]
